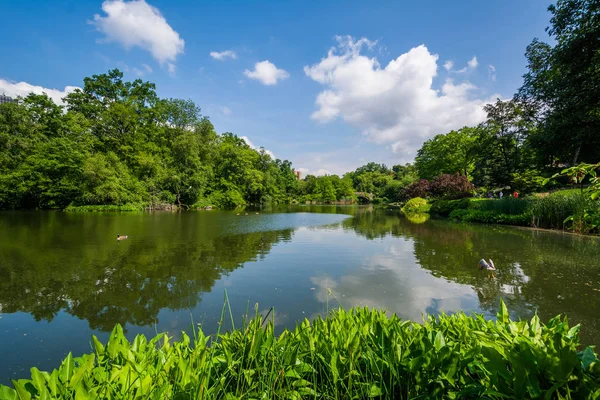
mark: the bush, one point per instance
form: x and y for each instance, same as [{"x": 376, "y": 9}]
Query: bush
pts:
[
  {"x": 445, "y": 207},
  {"x": 451, "y": 187},
  {"x": 359, "y": 353},
  {"x": 529, "y": 181},
  {"x": 415, "y": 206},
  {"x": 419, "y": 188},
  {"x": 507, "y": 205},
  {"x": 490, "y": 217}
]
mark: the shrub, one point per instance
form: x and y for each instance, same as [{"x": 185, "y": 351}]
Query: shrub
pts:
[
  {"x": 490, "y": 217},
  {"x": 529, "y": 181},
  {"x": 416, "y": 205},
  {"x": 451, "y": 187},
  {"x": 445, "y": 207},
  {"x": 419, "y": 188},
  {"x": 507, "y": 205},
  {"x": 359, "y": 353}
]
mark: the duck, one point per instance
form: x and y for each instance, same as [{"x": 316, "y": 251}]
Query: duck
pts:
[
  {"x": 246, "y": 214},
  {"x": 484, "y": 265},
  {"x": 257, "y": 213},
  {"x": 121, "y": 237},
  {"x": 237, "y": 214}
]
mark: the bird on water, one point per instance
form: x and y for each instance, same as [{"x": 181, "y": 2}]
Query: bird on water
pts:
[{"x": 484, "y": 265}]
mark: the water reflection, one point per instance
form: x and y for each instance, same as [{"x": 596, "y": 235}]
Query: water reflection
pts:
[{"x": 67, "y": 272}]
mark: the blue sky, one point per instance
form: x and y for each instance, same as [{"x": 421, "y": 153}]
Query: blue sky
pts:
[{"x": 329, "y": 85}]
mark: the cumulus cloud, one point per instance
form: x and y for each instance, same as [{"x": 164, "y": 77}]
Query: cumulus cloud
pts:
[
  {"x": 395, "y": 104},
  {"x": 14, "y": 89},
  {"x": 223, "y": 55},
  {"x": 267, "y": 73},
  {"x": 491, "y": 72},
  {"x": 473, "y": 63},
  {"x": 448, "y": 65},
  {"x": 249, "y": 143},
  {"x": 137, "y": 23}
]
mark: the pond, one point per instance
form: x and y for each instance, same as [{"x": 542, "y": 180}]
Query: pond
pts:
[{"x": 64, "y": 276}]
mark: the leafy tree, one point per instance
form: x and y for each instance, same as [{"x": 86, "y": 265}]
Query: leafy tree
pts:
[
  {"x": 451, "y": 187},
  {"x": 562, "y": 82},
  {"x": 453, "y": 152}
]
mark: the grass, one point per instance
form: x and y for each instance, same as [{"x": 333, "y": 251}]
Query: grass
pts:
[
  {"x": 565, "y": 209},
  {"x": 360, "y": 353},
  {"x": 104, "y": 208}
]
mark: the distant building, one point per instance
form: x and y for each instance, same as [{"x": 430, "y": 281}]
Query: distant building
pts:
[
  {"x": 298, "y": 174},
  {"x": 5, "y": 99}
]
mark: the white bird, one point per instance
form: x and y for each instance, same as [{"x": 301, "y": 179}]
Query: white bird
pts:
[{"x": 490, "y": 267}]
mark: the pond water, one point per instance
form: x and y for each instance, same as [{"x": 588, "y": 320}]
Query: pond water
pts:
[{"x": 64, "y": 276}]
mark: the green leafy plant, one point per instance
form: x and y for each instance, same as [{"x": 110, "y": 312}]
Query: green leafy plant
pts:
[
  {"x": 359, "y": 353},
  {"x": 416, "y": 205}
]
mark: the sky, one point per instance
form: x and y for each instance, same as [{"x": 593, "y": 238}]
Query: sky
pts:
[{"x": 328, "y": 85}]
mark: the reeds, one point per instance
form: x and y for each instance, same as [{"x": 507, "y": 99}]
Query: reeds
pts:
[{"x": 360, "y": 353}]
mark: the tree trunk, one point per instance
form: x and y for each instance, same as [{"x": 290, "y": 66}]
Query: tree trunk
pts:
[{"x": 576, "y": 156}]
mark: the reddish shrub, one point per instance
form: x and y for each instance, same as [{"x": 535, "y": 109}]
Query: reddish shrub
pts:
[
  {"x": 419, "y": 188},
  {"x": 451, "y": 187}
]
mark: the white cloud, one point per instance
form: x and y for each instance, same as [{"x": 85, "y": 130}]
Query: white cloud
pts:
[
  {"x": 318, "y": 172},
  {"x": 136, "y": 23},
  {"x": 395, "y": 104},
  {"x": 226, "y": 111},
  {"x": 492, "y": 72},
  {"x": 145, "y": 69},
  {"x": 448, "y": 65},
  {"x": 267, "y": 73},
  {"x": 249, "y": 143},
  {"x": 473, "y": 63},
  {"x": 14, "y": 89},
  {"x": 223, "y": 55},
  {"x": 171, "y": 68}
]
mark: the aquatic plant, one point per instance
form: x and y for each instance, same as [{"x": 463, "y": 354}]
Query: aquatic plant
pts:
[{"x": 359, "y": 353}]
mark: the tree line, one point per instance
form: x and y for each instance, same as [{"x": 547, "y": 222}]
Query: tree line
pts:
[
  {"x": 553, "y": 120},
  {"x": 117, "y": 143}
]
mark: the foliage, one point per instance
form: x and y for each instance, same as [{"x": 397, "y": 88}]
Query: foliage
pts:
[
  {"x": 116, "y": 143},
  {"x": 416, "y": 205},
  {"x": 562, "y": 83},
  {"x": 358, "y": 353},
  {"x": 104, "y": 208},
  {"x": 451, "y": 187},
  {"x": 489, "y": 217},
  {"x": 506, "y": 205},
  {"x": 419, "y": 188},
  {"x": 445, "y": 207},
  {"x": 454, "y": 152},
  {"x": 567, "y": 209},
  {"x": 528, "y": 181}
]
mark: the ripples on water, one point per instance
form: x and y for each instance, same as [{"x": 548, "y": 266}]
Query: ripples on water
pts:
[{"x": 64, "y": 276}]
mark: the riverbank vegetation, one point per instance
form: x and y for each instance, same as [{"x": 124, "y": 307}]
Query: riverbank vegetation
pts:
[
  {"x": 116, "y": 145},
  {"x": 359, "y": 353}
]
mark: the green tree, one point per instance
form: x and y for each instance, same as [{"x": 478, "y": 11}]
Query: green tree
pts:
[
  {"x": 562, "y": 83},
  {"x": 448, "y": 153}
]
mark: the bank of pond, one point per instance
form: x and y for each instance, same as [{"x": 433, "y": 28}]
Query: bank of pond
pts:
[
  {"x": 568, "y": 210},
  {"x": 359, "y": 353}
]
